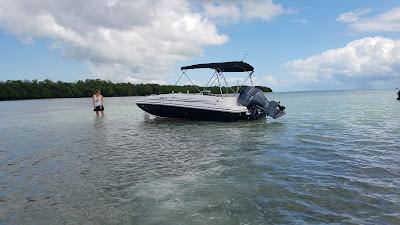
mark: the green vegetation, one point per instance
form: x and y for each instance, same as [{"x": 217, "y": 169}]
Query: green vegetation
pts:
[{"x": 17, "y": 89}]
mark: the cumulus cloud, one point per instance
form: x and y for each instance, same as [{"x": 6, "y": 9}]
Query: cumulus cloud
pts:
[
  {"x": 233, "y": 11},
  {"x": 121, "y": 40},
  {"x": 388, "y": 21},
  {"x": 360, "y": 62}
]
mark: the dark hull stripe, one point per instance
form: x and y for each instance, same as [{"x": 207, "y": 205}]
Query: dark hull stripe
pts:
[{"x": 190, "y": 113}]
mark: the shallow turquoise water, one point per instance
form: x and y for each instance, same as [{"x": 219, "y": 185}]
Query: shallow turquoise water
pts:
[{"x": 334, "y": 158}]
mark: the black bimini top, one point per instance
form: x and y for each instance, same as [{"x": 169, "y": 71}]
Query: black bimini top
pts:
[{"x": 234, "y": 66}]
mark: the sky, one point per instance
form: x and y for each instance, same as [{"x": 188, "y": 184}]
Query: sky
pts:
[{"x": 293, "y": 45}]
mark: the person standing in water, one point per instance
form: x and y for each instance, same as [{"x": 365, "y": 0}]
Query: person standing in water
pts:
[{"x": 98, "y": 101}]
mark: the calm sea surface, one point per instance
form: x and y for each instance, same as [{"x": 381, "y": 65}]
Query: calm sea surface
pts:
[{"x": 334, "y": 158}]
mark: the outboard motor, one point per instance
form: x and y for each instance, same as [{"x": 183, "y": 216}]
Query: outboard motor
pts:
[{"x": 258, "y": 105}]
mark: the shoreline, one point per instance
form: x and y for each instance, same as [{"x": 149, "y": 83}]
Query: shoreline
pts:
[{"x": 47, "y": 89}]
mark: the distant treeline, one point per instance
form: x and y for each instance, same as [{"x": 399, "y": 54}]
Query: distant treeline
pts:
[{"x": 26, "y": 89}]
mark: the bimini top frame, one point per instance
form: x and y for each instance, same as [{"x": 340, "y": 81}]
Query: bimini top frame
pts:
[
  {"x": 234, "y": 66},
  {"x": 220, "y": 68}
]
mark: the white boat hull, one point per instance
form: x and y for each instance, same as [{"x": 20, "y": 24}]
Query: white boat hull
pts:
[{"x": 194, "y": 106}]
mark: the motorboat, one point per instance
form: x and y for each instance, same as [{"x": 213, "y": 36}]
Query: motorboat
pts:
[{"x": 249, "y": 103}]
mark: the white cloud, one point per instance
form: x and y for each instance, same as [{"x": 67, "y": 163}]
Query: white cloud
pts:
[
  {"x": 271, "y": 81},
  {"x": 121, "y": 40},
  {"x": 353, "y": 16},
  {"x": 232, "y": 11},
  {"x": 388, "y": 21},
  {"x": 262, "y": 9},
  {"x": 223, "y": 13},
  {"x": 361, "y": 62}
]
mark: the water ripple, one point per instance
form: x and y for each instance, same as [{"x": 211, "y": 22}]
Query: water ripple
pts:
[{"x": 332, "y": 159}]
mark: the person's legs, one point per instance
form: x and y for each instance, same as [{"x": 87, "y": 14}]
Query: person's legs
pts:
[{"x": 96, "y": 108}]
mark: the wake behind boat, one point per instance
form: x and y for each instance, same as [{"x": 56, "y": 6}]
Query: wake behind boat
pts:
[{"x": 249, "y": 104}]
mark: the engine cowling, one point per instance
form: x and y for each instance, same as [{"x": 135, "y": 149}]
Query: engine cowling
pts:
[{"x": 258, "y": 105}]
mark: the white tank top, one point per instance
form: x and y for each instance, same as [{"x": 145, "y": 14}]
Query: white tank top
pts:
[{"x": 97, "y": 100}]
